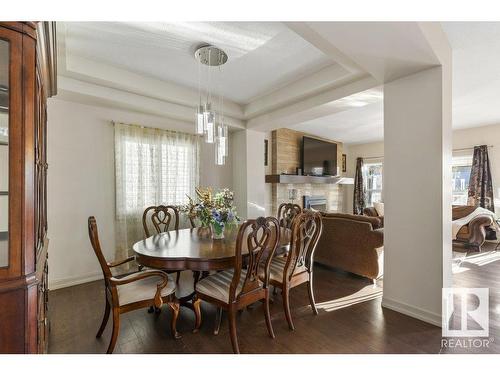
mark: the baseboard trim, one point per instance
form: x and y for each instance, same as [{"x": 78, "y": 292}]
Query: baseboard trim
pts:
[
  {"x": 76, "y": 280},
  {"x": 414, "y": 312}
]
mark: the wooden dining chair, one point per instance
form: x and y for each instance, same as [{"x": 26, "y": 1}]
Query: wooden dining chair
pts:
[
  {"x": 286, "y": 214},
  {"x": 164, "y": 219},
  {"x": 132, "y": 291},
  {"x": 233, "y": 290},
  {"x": 296, "y": 267}
]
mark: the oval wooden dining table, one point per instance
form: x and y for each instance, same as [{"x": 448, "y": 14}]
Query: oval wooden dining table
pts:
[{"x": 192, "y": 249}]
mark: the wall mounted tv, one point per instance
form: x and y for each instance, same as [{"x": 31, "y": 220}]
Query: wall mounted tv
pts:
[{"x": 319, "y": 158}]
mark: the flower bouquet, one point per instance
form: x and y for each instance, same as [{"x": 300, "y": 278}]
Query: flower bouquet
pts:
[{"x": 214, "y": 210}]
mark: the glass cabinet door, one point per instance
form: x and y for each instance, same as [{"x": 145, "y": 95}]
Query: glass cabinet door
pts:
[{"x": 4, "y": 153}]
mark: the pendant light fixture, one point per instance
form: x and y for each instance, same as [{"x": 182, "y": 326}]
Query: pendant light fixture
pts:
[{"x": 208, "y": 123}]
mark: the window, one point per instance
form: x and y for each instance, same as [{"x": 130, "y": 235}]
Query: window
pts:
[
  {"x": 153, "y": 167},
  {"x": 372, "y": 178},
  {"x": 461, "y": 168}
]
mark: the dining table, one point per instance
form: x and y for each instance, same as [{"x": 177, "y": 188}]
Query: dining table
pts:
[{"x": 193, "y": 249}]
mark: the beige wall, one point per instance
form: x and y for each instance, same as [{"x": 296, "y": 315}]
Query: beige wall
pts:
[
  {"x": 462, "y": 138},
  {"x": 484, "y": 135},
  {"x": 81, "y": 183}
]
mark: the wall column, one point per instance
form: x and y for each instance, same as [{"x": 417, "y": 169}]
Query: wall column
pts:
[
  {"x": 417, "y": 175},
  {"x": 249, "y": 173}
]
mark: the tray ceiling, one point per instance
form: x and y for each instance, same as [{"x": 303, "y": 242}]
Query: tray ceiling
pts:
[{"x": 263, "y": 56}]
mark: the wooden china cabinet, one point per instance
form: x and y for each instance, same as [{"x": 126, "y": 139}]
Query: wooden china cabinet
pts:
[{"x": 27, "y": 79}]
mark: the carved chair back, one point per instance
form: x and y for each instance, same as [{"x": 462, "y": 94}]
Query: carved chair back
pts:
[
  {"x": 287, "y": 212},
  {"x": 261, "y": 236},
  {"x": 306, "y": 230},
  {"x": 163, "y": 218},
  {"x": 94, "y": 240}
]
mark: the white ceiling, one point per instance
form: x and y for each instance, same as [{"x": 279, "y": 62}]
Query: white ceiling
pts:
[
  {"x": 358, "y": 125},
  {"x": 476, "y": 88},
  {"x": 307, "y": 76},
  {"x": 263, "y": 56}
]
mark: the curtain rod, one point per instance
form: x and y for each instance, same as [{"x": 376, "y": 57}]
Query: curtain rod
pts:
[
  {"x": 113, "y": 123},
  {"x": 468, "y": 148},
  {"x": 373, "y": 157},
  {"x": 455, "y": 149}
]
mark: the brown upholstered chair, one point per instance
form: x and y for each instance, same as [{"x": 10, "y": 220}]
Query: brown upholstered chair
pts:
[
  {"x": 351, "y": 243},
  {"x": 474, "y": 233},
  {"x": 297, "y": 267},
  {"x": 234, "y": 289},
  {"x": 133, "y": 291}
]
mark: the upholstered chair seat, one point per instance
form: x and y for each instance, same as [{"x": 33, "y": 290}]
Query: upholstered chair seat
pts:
[
  {"x": 217, "y": 285},
  {"x": 276, "y": 269},
  {"x": 149, "y": 288},
  {"x": 296, "y": 268},
  {"x": 143, "y": 289},
  {"x": 234, "y": 289}
]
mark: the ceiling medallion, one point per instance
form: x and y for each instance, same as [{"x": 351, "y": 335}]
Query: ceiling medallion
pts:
[
  {"x": 209, "y": 123},
  {"x": 210, "y": 55}
]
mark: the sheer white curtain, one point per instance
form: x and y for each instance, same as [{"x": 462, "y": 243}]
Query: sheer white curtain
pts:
[{"x": 152, "y": 167}]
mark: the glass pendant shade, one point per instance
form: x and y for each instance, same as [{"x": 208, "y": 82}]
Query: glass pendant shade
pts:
[
  {"x": 199, "y": 128},
  {"x": 220, "y": 146},
  {"x": 209, "y": 122}
]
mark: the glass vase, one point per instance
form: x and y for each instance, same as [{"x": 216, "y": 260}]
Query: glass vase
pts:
[{"x": 217, "y": 231}]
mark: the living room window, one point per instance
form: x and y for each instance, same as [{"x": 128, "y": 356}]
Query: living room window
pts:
[
  {"x": 372, "y": 177},
  {"x": 153, "y": 166},
  {"x": 461, "y": 168}
]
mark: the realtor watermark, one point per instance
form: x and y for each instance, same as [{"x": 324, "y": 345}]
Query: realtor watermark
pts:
[{"x": 465, "y": 314}]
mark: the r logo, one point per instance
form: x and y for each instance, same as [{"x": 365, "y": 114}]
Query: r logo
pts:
[{"x": 465, "y": 312}]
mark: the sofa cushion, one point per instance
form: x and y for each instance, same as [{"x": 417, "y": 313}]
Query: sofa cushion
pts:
[{"x": 379, "y": 207}]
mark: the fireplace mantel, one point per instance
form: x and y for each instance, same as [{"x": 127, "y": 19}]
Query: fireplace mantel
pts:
[{"x": 298, "y": 179}]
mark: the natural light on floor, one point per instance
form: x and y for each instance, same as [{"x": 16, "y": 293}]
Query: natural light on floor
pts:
[
  {"x": 368, "y": 293},
  {"x": 461, "y": 262}
]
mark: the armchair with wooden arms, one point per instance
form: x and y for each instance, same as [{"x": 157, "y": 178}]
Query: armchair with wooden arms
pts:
[{"x": 133, "y": 291}]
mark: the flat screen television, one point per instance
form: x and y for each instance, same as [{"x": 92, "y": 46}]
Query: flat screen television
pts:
[{"x": 319, "y": 158}]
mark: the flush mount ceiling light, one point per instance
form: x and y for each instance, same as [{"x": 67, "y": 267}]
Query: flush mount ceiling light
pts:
[{"x": 209, "y": 123}]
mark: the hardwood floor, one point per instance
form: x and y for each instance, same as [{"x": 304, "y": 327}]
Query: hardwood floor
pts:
[
  {"x": 480, "y": 270},
  {"x": 363, "y": 327}
]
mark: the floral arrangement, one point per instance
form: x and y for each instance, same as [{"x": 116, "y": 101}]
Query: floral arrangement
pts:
[{"x": 215, "y": 210}]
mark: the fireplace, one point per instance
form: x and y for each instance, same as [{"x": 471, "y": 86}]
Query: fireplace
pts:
[{"x": 316, "y": 202}]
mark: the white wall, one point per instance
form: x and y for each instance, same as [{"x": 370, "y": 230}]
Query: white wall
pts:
[
  {"x": 249, "y": 173},
  {"x": 81, "y": 183},
  {"x": 268, "y": 188},
  {"x": 417, "y": 199}
]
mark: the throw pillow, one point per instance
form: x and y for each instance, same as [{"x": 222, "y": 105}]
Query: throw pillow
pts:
[{"x": 379, "y": 207}]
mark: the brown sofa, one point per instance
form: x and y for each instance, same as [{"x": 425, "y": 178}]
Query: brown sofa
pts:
[
  {"x": 351, "y": 243},
  {"x": 372, "y": 212},
  {"x": 473, "y": 234}
]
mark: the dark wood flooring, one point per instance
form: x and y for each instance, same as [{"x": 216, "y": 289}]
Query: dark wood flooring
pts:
[{"x": 364, "y": 327}]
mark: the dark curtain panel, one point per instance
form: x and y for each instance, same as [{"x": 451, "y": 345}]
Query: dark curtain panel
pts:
[
  {"x": 480, "y": 185},
  {"x": 359, "y": 190}
]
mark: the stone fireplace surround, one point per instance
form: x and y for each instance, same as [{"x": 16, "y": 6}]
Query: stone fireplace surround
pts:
[{"x": 285, "y": 151}]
